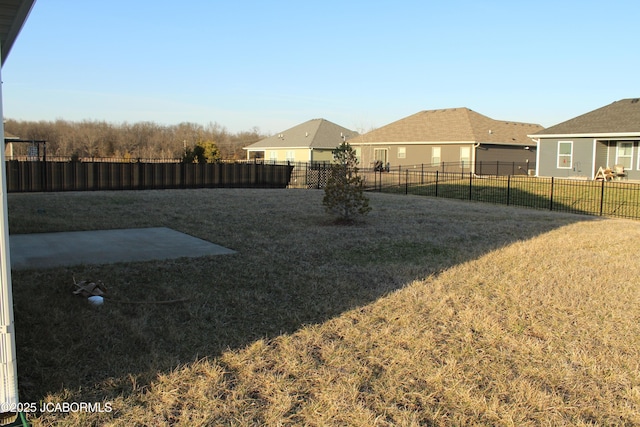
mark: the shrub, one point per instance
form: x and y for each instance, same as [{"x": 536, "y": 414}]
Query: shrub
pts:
[{"x": 344, "y": 193}]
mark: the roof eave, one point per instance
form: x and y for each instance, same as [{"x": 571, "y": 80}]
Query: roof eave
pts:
[
  {"x": 588, "y": 135},
  {"x": 411, "y": 142},
  {"x": 16, "y": 25},
  {"x": 275, "y": 148}
]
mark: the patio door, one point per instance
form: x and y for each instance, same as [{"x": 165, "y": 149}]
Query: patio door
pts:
[{"x": 381, "y": 154}]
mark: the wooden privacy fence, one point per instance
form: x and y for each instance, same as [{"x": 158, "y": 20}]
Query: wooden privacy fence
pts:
[{"x": 89, "y": 176}]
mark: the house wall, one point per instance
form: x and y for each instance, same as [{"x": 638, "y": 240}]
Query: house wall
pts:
[
  {"x": 321, "y": 155},
  {"x": 581, "y": 159},
  {"x": 414, "y": 154},
  {"x": 489, "y": 156},
  {"x": 611, "y": 157},
  {"x": 287, "y": 154},
  {"x": 584, "y": 165}
]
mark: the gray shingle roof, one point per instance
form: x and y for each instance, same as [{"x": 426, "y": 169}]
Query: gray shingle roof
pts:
[
  {"x": 619, "y": 117},
  {"x": 450, "y": 125},
  {"x": 315, "y": 133}
]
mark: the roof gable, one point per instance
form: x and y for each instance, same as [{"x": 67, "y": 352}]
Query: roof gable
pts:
[
  {"x": 315, "y": 133},
  {"x": 619, "y": 117},
  {"x": 450, "y": 125}
]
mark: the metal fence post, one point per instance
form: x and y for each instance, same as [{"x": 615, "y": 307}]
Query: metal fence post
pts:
[
  {"x": 551, "y": 196},
  {"x": 602, "y": 197},
  {"x": 436, "y": 183},
  {"x": 406, "y": 182},
  {"x": 508, "y": 188},
  {"x": 470, "y": 185}
]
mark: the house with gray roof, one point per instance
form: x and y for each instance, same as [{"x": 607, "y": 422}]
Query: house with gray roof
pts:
[
  {"x": 453, "y": 140},
  {"x": 311, "y": 141},
  {"x": 608, "y": 137}
]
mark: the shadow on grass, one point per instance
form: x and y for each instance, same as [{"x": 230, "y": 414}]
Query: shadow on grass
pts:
[{"x": 293, "y": 267}]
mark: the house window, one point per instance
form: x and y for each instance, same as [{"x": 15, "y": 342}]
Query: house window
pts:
[
  {"x": 624, "y": 153},
  {"x": 565, "y": 154},
  {"x": 465, "y": 157},
  {"x": 273, "y": 155},
  {"x": 436, "y": 158},
  {"x": 380, "y": 155},
  {"x": 402, "y": 152},
  {"x": 290, "y": 156}
]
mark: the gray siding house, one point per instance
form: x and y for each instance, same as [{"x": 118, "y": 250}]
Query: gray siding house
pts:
[
  {"x": 311, "y": 141},
  {"x": 456, "y": 138},
  {"x": 602, "y": 138}
]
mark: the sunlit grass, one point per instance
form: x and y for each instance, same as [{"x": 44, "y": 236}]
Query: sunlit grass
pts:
[
  {"x": 430, "y": 312},
  {"x": 615, "y": 199}
]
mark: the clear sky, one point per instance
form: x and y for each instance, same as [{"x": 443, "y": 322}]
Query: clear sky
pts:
[{"x": 360, "y": 64}]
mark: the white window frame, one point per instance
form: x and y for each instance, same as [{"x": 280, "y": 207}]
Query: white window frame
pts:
[
  {"x": 436, "y": 160},
  {"x": 465, "y": 161},
  {"x": 630, "y": 156},
  {"x": 273, "y": 156},
  {"x": 381, "y": 154},
  {"x": 291, "y": 156},
  {"x": 570, "y": 155},
  {"x": 402, "y": 152}
]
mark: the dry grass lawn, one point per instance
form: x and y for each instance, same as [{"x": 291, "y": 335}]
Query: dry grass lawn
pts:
[{"x": 429, "y": 312}]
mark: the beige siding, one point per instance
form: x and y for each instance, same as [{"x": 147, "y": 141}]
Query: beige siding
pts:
[
  {"x": 415, "y": 154},
  {"x": 283, "y": 154}
]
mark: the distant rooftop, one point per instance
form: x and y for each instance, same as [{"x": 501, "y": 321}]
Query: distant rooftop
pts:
[
  {"x": 619, "y": 117},
  {"x": 449, "y": 125},
  {"x": 315, "y": 133}
]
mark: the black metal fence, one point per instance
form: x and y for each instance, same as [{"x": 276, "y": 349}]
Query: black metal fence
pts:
[
  {"x": 610, "y": 198},
  {"x": 604, "y": 198},
  {"x": 498, "y": 168},
  {"x": 88, "y": 176}
]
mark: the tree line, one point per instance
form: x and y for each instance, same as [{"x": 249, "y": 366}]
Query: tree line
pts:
[{"x": 130, "y": 141}]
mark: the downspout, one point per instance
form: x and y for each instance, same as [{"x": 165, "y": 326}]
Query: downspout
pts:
[{"x": 473, "y": 161}]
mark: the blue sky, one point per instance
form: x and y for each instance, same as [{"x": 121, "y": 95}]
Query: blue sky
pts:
[{"x": 360, "y": 64}]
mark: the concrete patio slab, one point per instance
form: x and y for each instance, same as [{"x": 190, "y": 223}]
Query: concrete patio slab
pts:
[{"x": 46, "y": 250}]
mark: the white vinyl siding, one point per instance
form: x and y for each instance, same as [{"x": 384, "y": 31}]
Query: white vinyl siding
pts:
[{"x": 565, "y": 154}]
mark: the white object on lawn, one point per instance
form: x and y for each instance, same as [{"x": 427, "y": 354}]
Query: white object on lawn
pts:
[{"x": 96, "y": 300}]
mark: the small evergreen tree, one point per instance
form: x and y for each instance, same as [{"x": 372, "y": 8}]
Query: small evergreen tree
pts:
[{"x": 343, "y": 193}]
